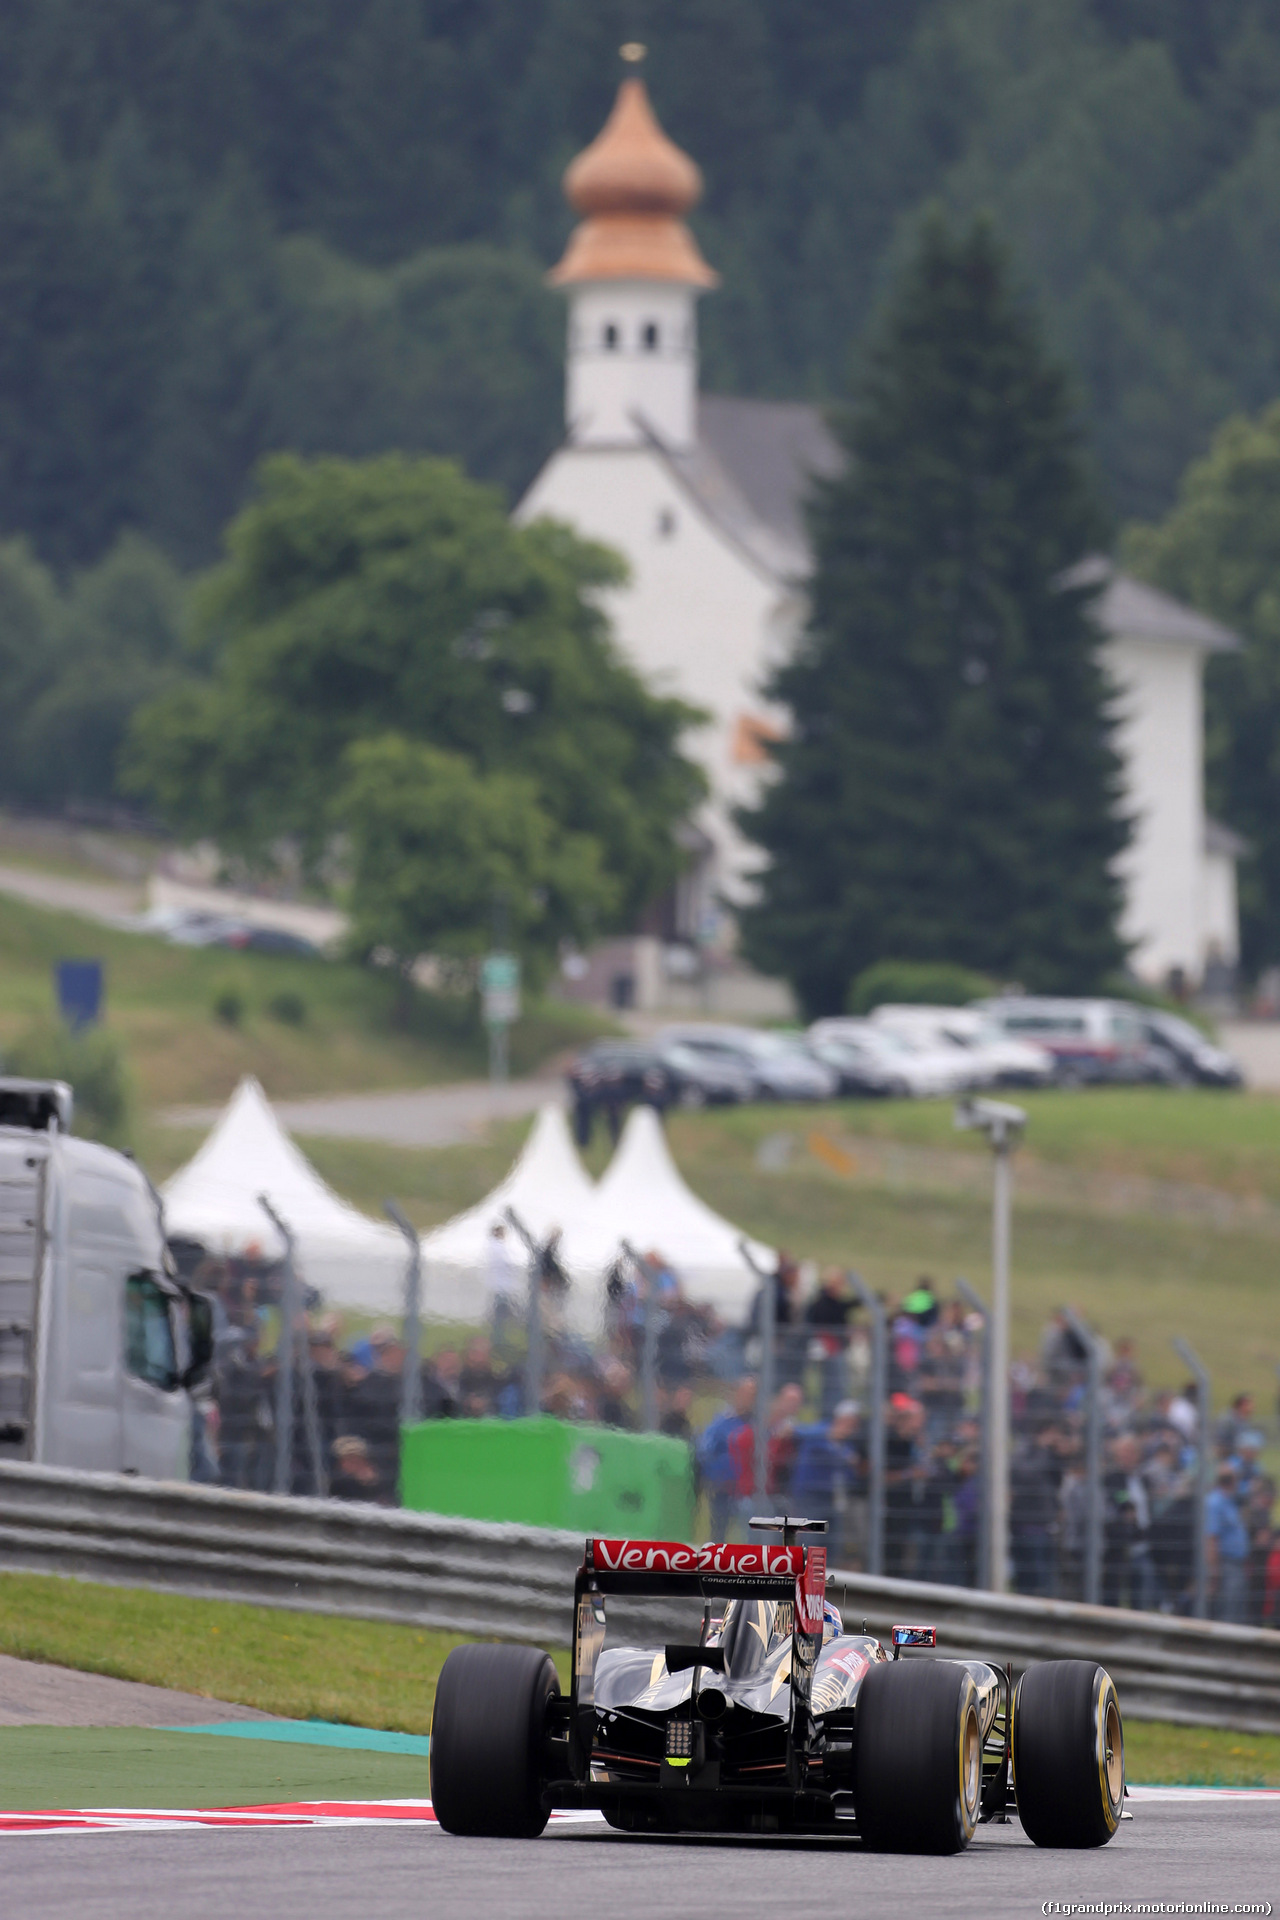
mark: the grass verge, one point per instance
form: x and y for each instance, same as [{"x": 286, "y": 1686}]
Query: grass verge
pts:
[
  {"x": 46, "y": 1767},
  {"x": 358, "y": 1672},
  {"x": 1156, "y": 1754},
  {"x": 353, "y": 1033},
  {"x": 304, "y": 1666}
]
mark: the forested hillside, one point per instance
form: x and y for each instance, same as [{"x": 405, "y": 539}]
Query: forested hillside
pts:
[{"x": 234, "y": 225}]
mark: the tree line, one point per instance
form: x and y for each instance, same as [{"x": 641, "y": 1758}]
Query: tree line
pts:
[{"x": 236, "y": 226}]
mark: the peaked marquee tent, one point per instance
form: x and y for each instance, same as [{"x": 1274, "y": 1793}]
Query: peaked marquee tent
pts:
[
  {"x": 546, "y": 1188},
  {"x": 354, "y": 1261},
  {"x": 643, "y": 1199}
]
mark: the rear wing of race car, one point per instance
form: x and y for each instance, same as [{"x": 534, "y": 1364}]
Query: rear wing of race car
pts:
[{"x": 718, "y": 1571}]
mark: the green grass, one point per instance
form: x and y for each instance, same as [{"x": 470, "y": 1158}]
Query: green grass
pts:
[
  {"x": 1229, "y": 1140},
  {"x": 1157, "y": 1754},
  {"x": 309, "y": 1666},
  {"x": 160, "y": 1003},
  {"x": 303, "y": 1666},
  {"x": 48, "y": 1767}
]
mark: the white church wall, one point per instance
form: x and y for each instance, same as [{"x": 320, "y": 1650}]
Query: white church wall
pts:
[
  {"x": 698, "y": 618},
  {"x": 1160, "y": 737},
  {"x": 1220, "y": 918}
]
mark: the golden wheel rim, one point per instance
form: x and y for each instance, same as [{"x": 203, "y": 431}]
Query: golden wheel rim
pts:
[
  {"x": 971, "y": 1766},
  {"x": 1113, "y": 1753}
]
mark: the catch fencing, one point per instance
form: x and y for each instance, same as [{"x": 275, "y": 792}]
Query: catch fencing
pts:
[{"x": 517, "y": 1583}]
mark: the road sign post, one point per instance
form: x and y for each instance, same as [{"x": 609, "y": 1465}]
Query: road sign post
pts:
[{"x": 500, "y": 997}]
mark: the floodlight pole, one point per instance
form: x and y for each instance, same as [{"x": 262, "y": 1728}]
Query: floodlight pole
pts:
[
  {"x": 1187, "y": 1353},
  {"x": 411, "y": 1378},
  {"x": 1003, "y": 1127}
]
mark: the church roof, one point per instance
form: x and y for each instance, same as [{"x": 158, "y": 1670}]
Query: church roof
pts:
[
  {"x": 632, "y": 184},
  {"x": 751, "y": 471},
  {"x": 1130, "y": 609}
]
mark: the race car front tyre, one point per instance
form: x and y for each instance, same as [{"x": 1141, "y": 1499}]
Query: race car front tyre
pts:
[
  {"x": 917, "y": 1757},
  {"x": 486, "y": 1741},
  {"x": 1068, "y": 1754}
]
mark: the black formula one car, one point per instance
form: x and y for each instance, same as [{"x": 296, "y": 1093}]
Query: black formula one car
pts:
[{"x": 775, "y": 1719}]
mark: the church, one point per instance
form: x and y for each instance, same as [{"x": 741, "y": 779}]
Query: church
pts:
[{"x": 704, "y": 495}]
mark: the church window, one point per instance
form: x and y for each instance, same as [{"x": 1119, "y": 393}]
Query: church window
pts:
[
  {"x": 610, "y": 335},
  {"x": 651, "y": 335}
]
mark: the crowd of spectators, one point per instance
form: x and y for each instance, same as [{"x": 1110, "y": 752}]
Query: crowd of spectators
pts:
[{"x": 817, "y": 1448}]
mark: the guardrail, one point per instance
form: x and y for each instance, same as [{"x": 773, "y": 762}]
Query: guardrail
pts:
[{"x": 516, "y": 1583}]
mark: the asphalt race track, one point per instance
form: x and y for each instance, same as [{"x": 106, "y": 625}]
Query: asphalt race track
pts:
[{"x": 1189, "y": 1849}]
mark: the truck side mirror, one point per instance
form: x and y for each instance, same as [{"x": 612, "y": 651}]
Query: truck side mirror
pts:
[{"x": 200, "y": 1333}]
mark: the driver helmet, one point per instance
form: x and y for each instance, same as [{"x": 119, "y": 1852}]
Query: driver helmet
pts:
[{"x": 832, "y": 1623}]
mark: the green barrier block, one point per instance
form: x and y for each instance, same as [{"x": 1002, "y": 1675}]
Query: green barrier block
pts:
[{"x": 546, "y": 1473}]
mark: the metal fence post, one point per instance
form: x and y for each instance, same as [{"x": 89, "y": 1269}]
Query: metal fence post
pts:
[
  {"x": 974, "y": 1300},
  {"x": 411, "y": 1378},
  {"x": 649, "y": 1341},
  {"x": 875, "y": 1419},
  {"x": 533, "y": 1358},
  {"x": 1093, "y": 1542},
  {"x": 1187, "y": 1353}
]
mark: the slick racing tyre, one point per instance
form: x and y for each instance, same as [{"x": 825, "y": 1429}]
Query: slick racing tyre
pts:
[
  {"x": 917, "y": 1757},
  {"x": 486, "y": 1741},
  {"x": 1068, "y": 1754}
]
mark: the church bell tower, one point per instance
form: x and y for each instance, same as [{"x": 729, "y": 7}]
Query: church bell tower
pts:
[{"x": 633, "y": 273}]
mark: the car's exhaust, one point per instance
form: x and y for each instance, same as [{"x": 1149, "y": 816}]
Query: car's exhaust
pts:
[{"x": 713, "y": 1703}]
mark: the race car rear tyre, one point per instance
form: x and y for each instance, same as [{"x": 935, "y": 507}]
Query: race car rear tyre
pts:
[
  {"x": 1068, "y": 1754},
  {"x": 917, "y": 1757},
  {"x": 486, "y": 1741}
]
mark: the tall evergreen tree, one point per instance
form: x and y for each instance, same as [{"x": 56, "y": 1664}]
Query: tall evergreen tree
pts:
[{"x": 949, "y": 788}]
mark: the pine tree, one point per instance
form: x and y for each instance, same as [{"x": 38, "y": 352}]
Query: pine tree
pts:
[{"x": 949, "y": 788}]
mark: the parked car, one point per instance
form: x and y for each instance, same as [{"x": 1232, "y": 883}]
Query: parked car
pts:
[
  {"x": 865, "y": 1068},
  {"x": 779, "y": 1065},
  {"x": 621, "y": 1073},
  {"x": 997, "y": 1059},
  {"x": 1195, "y": 1059},
  {"x": 926, "y": 1072},
  {"x": 1093, "y": 1042}
]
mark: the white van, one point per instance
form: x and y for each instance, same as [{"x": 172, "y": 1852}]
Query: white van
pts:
[
  {"x": 99, "y": 1344},
  {"x": 1092, "y": 1041}
]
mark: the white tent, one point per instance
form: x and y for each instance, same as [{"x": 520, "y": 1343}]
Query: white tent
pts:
[
  {"x": 642, "y": 1199},
  {"x": 354, "y": 1261},
  {"x": 546, "y": 1188}
]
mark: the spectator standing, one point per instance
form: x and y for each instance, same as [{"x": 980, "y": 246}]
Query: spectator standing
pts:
[
  {"x": 1228, "y": 1544},
  {"x": 827, "y": 1472},
  {"x": 719, "y": 1456},
  {"x": 903, "y": 1483},
  {"x": 1126, "y": 1545},
  {"x": 828, "y": 1314},
  {"x": 507, "y": 1279},
  {"x": 1262, "y": 1539},
  {"x": 1229, "y": 1426},
  {"x": 241, "y": 1407}
]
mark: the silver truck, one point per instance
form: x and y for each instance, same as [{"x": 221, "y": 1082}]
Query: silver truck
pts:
[{"x": 99, "y": 1343}]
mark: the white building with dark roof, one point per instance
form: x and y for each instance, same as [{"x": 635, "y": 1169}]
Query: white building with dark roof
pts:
[{"x": 704, "y": 497}]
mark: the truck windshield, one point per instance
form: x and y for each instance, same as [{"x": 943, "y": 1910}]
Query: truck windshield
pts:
[{"x": 149, "y": 1348}]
